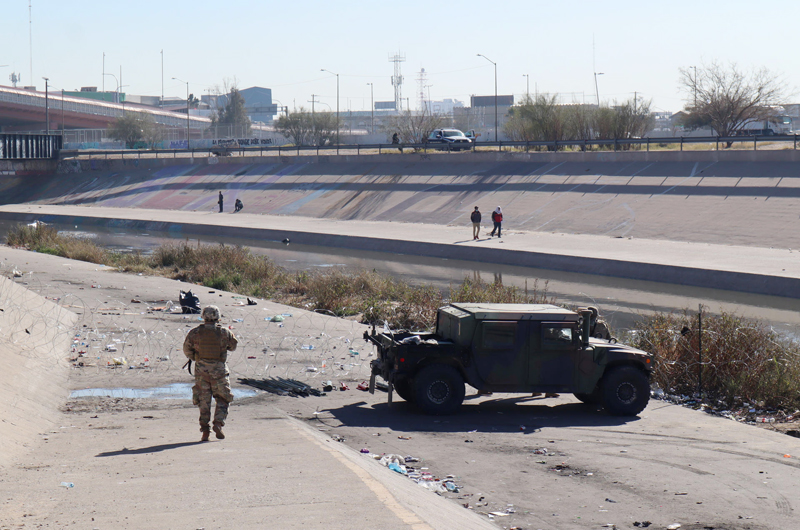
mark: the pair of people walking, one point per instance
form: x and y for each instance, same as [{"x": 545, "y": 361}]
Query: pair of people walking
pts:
[{"x": 497, "y": 219}]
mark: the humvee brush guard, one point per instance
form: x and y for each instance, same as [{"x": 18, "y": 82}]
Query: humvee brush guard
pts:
[{"x": 510, "y": 348}]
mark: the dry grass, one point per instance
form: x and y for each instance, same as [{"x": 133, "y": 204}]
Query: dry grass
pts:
[
  {"x": 371, "y": 297},
  {"x": 743, "y": 361}
]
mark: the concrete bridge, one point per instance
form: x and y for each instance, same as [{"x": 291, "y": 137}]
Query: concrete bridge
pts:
[{"x": 24, "y": 110}]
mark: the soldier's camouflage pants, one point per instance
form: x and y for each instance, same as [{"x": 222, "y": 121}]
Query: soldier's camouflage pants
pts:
[{"x": 211, "y": 379}]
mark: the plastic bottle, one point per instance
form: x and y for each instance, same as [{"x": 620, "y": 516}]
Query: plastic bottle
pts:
[{"x": 67, "y": 485}]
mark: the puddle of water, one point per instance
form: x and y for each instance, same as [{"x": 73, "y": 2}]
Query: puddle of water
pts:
[{"x": 173, "y": 391}]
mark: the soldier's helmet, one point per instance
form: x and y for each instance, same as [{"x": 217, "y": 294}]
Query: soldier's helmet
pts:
[
  {"x": 595, "y": 312},
  {"x": 210, "y": 313}
]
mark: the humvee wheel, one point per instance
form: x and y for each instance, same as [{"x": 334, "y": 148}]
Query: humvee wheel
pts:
[
  {"x": 438, "y": 389},
  {"x": 405, "y": 388},
  {"x": 625, "y": 391}
]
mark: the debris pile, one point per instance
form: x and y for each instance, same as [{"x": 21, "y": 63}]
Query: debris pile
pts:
[
  {"x": 282, "y": 387},
  {"x": 400, "y": 464},
  {"x": 742, "y": 411}
]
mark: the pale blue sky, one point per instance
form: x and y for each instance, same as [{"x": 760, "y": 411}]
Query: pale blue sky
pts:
[{"x": 283, "y": 45}]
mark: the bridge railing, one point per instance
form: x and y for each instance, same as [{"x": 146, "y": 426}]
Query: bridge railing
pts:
[
  {"x": 615, "y": 144},
  {"x": 20, "y": 146}
]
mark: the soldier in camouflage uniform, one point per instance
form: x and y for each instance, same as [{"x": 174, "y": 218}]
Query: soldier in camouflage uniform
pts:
[
  {"x": 599, "y": 327},
  {"x": 208, "y": 346}
]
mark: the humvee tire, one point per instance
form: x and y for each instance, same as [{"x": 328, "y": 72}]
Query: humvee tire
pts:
[
  {"x": 438, "y": 389},
  {"x": 625, "y": 391},
  {"x": 405, "y": 388}
]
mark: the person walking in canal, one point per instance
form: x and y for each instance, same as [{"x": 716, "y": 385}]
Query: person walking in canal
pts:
[
  {"x": 497, "y": 219},
  {"x": 219, "y": 201},
  {"x": 476, "y": 223},
  {"x": 208, "y": 346}
]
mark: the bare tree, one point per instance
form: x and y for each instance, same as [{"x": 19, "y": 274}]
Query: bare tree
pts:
[
  {"x": 544, "y": 119},
  {"x": 727, "y": 98},
  {"x": 413, "y": 128},
  {"x": 305, "y": 128}
]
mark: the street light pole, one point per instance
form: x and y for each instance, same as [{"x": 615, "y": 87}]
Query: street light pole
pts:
[
  {"x": 596, "y": 91},
  {"x": 372, "y": 107},
  {"x": 527, "y": 85},
  {"x": 337, "y": 107},
  {"x": 695, "y": 86},
  {"x": 116, "y": 98},
  {"x": 188, "y": 135},
  {"x": 46, "y": 104},
  {"x": 496, "y": 138}
]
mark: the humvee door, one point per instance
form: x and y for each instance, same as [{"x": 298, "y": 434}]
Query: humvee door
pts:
[
  {"x": 554, "y": 352},
  {"x": 500, "y": 351}
]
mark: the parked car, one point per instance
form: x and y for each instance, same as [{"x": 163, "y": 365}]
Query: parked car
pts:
[
  {"x": 472, "y": 135},
  {"x": 449, "y": 139},
  {"x": 510, "y": 348}
]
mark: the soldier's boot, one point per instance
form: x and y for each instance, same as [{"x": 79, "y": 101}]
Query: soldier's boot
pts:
[
  {"x": 206, "y": 432},
  {"x": 218, "y": 431}
]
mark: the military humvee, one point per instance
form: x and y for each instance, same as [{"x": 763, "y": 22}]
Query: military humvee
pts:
[{"x": 510, "y": 348}]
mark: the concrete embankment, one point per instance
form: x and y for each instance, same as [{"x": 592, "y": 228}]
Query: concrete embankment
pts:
[
  {"x": 746, "y": 198},
  {"x": 773, "y": 272},
  {"x": 35, "y": 336},
  {"x": 692, "y": 218}
]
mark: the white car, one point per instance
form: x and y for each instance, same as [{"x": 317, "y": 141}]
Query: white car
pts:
[{"x": 450, "y": 139}]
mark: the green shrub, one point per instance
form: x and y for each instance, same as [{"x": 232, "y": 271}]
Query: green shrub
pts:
[{"x": 742, "y": 360}]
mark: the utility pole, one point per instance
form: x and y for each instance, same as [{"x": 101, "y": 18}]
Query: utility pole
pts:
[
  {"x": 46, "y": 104},
  {"x": 596, "y": 73},
  {"x": 188, "y": 132},
  {"x": 104, "y": 75},
  {"x": 337, "y": 107},
  {"x": 313, "y": 117},
  {"x": 596, "y": 91},
  {"x": 162, "y": 80},
  {"x": 695, "y": 86},
  {"x": 496, "y": 137},
  {"x": 30, "y": 37},
  {"x": 372, "y": 107},
  {"x": 527, "y": 85}
]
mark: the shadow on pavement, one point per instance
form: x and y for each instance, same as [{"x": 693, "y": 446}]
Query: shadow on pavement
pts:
[
  {"x": 145, "y": 450},
  {"x": 511, "y": 414}
]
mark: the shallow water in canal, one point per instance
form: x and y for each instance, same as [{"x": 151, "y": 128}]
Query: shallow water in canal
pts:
[{"x": 620, "y": 300}]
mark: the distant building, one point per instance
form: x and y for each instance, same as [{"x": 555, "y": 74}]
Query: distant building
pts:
[
  {"x": 257, "y": 103},
  {"x": 90, "y": 92},
  {"x": 445, "y": 106}
]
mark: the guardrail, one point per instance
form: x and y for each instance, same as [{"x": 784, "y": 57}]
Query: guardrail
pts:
[
  {"x": 21, "y": 146},
  {"x": 583, "y": 145}
]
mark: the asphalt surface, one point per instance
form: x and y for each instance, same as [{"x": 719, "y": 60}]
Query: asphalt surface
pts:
[{"x": 295, "y": 462}]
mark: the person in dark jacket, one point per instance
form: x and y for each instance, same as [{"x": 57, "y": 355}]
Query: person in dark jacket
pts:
[
  {"x": 497, "y": 219},
  {"x": 219, "y": 201},
  {"x": 476, "y": 223},
  {"x": 396, "y": 141}
]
